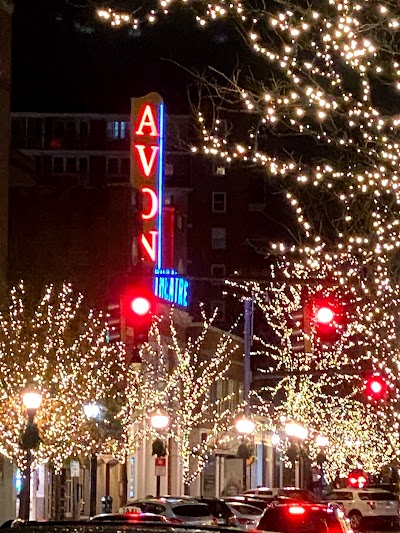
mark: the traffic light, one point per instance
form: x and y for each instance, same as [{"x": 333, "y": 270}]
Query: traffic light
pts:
[
  {"x": 375, "y": 387},
  {"x": 327, "y": 319},
  {"x": 137, "y": 305}
]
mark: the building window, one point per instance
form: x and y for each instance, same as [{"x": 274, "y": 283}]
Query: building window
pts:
[
  {"x": 71, "y": 165},
  {"x": 219, "y": 202},
  {"x": 112, "y": 166},
  {"x": 58, "y": 165},
  {"x": 218, "y": 305},
  {"x": 83, "y": 165},
  {"x": 118, "y": 166},
  {"x": 218, "y": 271},
  {"x": 117, "y": 129},
  {"x": 218, "y": 238}
]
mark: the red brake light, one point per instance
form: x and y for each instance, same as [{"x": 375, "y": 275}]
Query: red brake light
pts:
[{"x": 296, "y": 510}]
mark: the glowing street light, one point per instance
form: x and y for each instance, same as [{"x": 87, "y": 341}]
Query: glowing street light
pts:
[
  {"x": 159, "y": 419},
  {"x": 245, "y": 426},
  {"x": 31, "y": 400},
  {"x": 92, "y": 412}
]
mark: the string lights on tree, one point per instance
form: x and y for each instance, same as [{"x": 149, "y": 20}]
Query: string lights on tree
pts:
[
  {"x": 319, "y": 125},
  {"x": 177, "y": 376}
]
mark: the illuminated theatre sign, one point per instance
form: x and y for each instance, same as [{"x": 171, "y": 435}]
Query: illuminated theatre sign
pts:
[{"x": 147, "y": 175}]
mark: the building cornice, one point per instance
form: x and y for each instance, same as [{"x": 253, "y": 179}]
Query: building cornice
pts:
[{"x": 7, "y": 6}]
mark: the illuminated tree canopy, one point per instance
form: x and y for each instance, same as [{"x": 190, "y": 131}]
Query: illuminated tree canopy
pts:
[
  {"x": 317, "y": 113},
  {"x": 59, "y": 349}
]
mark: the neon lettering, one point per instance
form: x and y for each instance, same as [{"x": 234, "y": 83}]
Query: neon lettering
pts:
[
  {"x": 153, "y": 207},
  {"x": 147, "y": 164},
  {"x": 150, "y": 248},
  {"x": 147, "y": 121}
]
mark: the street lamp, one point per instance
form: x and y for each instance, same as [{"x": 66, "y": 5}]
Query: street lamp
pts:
[
  {"x": 244, "y": 426},
  {"x": 92, "y": 412},
  {"x": 296, "y": 433},
  {"x": 159, "y": 421},
  {"x": 30, "y": 439}
]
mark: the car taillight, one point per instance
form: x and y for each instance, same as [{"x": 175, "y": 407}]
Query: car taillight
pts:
[
  {"x": 246, "y": 521},
  {"x": 372, "y": 505},
  {"x": 175, "y": 521},
  {"x": 296, "y": 510}
]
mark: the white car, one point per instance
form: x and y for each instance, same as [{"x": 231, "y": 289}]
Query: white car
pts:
[
  {"x": 247, "y": 516},
  {"x": 372, "y": 505}
]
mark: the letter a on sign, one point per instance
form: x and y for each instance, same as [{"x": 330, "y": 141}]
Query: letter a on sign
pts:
[{"x": 147, "y": 123}]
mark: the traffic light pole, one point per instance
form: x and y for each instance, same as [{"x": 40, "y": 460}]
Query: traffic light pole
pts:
[{"x": 248, "y": 334}]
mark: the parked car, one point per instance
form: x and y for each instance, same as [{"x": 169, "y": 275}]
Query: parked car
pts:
[
  {"x": 220, "y": 510},
  {"x": 246, "y": 516},
  {"x": 369, "y": 506},
  {"x": 177, "y": 510},
  {"x": 289, "y": 492},
  {"x": 303, "y": 518}
]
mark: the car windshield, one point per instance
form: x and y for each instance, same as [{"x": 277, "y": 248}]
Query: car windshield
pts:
[
  {"x": 191, "y": 510},
  {"x": 246, "y": 509},
  {"x": 377, "y": 496}
]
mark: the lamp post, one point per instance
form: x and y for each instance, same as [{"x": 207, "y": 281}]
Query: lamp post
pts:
[
  {"x": 296, "y": 433},
  {"x": 31, "y": 399},
  {"x": 92, "y": 412},
  {"x": 244, "y": 426},
  {"x": 322, "y": 442},
  {"x": 159, "y": 421}
]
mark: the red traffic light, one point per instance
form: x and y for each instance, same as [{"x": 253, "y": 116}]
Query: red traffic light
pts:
[
  {"x": 375, "y": 387},
  {"x": 137, "y": 305},
  {"x": 324, "y": 314},
  {"x": 140, "y": 305}
]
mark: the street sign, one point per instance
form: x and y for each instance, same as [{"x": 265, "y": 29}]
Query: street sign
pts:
[
  {"x": 161, "y": 466},
  {"x": 74, "y": 466}
]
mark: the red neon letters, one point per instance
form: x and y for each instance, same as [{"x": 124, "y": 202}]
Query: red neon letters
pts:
[{"x": 145, "y": 164}]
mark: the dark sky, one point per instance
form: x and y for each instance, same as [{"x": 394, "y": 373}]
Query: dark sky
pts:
[{"x": 66, "y": 60}]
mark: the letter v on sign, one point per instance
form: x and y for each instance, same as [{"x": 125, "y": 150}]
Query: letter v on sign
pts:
[{"x": 147, "y": 160}]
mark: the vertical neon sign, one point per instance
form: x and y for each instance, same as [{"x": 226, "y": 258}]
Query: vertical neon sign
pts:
[{"x": 147, "y": 173}]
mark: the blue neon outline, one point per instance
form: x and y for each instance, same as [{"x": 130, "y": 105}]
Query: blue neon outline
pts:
[{"x": 160, "y": 187}]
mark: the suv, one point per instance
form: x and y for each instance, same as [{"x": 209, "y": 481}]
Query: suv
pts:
[
  {"x": 303, "y": 518},
  {"x": 176, "y": 510},
  {"x": 368, "y": 505}
]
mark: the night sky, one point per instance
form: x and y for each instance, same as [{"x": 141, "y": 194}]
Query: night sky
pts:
[{"x": 66, "y": 60}]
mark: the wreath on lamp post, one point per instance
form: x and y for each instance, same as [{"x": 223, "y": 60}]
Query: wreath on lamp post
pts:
[
  {"x": 245, "y": 450},
  {"x": 158, "y": 448},
  {"x": 30, "y": 438}
]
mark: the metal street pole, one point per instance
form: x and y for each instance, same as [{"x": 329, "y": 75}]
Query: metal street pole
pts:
[
  {"x": 248, "y": 335},
  {"x": 93, "y": 485},
  {"x": 247, "y": 338}
]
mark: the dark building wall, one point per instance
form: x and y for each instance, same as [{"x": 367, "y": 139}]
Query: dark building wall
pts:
[
  {"x": 6, "y": 8},
  {"x": 76, "y": 235}
]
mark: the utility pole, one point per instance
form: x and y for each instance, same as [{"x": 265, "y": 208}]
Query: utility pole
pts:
[{"x": 248, "y": 336}]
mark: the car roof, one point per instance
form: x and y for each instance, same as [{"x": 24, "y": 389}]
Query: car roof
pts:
[{"x": 363, "y": 489}]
